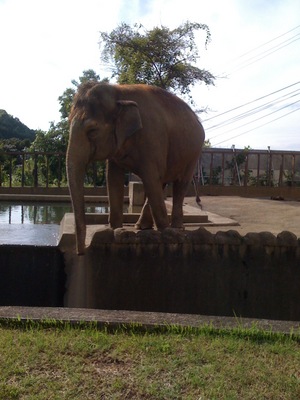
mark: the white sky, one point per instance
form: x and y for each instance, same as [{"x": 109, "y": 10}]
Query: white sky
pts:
[{"x": 45, "y": 44}]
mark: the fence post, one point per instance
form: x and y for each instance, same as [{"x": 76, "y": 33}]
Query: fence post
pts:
[
  {"x": 35, "y": 171},
  {"x": 223, "y": 169},
  {"x": 270, "y": 168},
  {"x": 246, "y": 171},
  {"x": 258, "y": 169},
  {"x": 211, "y": 168},
  {"x": 59, "y": 170},
  {"x": 23, "y": 170},
  {"x": 280, "y": 182},
  {"x": 10, "y": 171},
  {"x": 47, "y": 170},
  {"x": 293, "y": 168}
]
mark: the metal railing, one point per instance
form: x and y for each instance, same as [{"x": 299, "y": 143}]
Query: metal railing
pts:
[
  {"x": 42, "y": 169},
  {"x": 235, "y": 167},
  {"x": 220, "y": 167}
]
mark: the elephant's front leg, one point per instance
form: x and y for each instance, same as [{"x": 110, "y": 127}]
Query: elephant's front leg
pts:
[{"x": 115, "y": 178}]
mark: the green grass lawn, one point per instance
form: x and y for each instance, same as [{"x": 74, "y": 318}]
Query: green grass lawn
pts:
[{"x": 49, "y": 361}]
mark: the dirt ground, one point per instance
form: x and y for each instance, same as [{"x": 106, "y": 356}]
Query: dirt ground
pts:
[{"x": 252, "y": 214}]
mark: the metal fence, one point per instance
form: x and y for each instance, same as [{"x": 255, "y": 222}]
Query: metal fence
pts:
[
  {"x": 220, "y": 167},
  {"x": 235, "y": 167},
  {"x": 41, "y": 169}
]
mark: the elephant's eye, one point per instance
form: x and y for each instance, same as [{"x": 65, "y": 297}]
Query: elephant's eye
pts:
[{"x": 92, "y": 134}]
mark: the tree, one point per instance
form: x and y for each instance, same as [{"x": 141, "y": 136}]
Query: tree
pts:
[
  {"x": 55, "y": 140},
  {"x": 66, "y": 99},
  {"x": 160, "y": 57}
]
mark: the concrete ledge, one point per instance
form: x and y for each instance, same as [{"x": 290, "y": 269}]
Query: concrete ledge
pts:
[
  {"x": 147, "y": 320},
  {"x": 52, "y": 198},
  {"x": 132, "y": 218}
]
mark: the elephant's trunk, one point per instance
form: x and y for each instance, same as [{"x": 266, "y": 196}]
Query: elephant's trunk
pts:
[{"x": 77, "y": 159}]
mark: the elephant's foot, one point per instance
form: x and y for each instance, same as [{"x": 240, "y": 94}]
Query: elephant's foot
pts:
[
  {"x": 178, "y": 227},
  {"x": 143, "y": 226},
  {"x": 177, "y": 224}
]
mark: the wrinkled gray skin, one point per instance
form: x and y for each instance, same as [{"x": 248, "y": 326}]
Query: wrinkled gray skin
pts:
[{"x": 139, "y": 128}]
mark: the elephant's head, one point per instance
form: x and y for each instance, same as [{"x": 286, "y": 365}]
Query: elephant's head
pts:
[{"x": 100, "y": 123}]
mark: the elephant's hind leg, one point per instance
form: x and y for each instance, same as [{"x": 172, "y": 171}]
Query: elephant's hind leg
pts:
[{"x": 179, "y": 191}]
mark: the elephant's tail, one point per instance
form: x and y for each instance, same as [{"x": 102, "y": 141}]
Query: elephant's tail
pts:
[{"x": 196, "y": 188}]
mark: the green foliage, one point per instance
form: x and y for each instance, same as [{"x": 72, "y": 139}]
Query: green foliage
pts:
[
  {"x": 60, "y": 132},
  {"x": 51, "y": 168},
  {"x": 66, "y": 99},
  {"x": 161, "y": 57},
  {"x": 47, "y": 169},
  {"x": 14, "y": 144},
  {"x": 11, "y": 127},
  {"x": 207, "y": 144}
]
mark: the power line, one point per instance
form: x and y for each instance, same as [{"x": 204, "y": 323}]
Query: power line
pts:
[
  {"x": 252, "y": 112},
  {"x": 264, "y": 44},
  {"x": 257, "y": 127},
  {"x": 258, "y": 119},
  {"x": 250, "y": 102},
  {"x": 245, "y": 60},
  {"x": 263, "y": 54}
]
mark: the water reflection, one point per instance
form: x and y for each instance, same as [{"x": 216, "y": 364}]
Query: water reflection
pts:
[
  {"x": 30, "y": 235},
  {"x": 40, "y": 213}
]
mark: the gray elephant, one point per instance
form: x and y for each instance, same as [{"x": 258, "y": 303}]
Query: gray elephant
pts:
[{"x": 140, "y": 128}]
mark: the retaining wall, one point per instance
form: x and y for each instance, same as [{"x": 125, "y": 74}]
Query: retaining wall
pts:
[
  {"x": 31, "y": 276},
  {"x": 257, "y": 275}
]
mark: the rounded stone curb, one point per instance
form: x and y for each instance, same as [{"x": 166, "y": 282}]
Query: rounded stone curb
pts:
[
  {"x": 121, "y": 235},
  {"x": 200, "y": 236},
  {"x": 286, "y": 238},
  {"x": 231, "y": 237},
  {"x": 175, "y": 236},
  {"x": 260, "y": 239},
  {"x": 148, "y": 236}
]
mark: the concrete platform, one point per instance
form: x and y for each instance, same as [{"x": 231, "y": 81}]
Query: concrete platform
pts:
[
  {"x": 252, "y": 214},
  {"x": 221, "y": 213},
  {"x": 194, "y": 217}
]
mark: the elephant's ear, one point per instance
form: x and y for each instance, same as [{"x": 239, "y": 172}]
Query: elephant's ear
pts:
[{"x": 128, "y": 121}]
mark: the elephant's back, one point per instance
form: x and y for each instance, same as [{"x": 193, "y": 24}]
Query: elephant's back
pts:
[
  {"x": 166, "y": 115},
  {"x": 159, "y": 105}
]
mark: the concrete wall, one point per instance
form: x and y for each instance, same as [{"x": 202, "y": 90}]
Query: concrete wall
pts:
[
  {"x": 31, "y": 276},
  {"x": 257, "y": 275}
]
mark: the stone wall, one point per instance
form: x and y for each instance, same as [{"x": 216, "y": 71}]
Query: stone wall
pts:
[{"x": 257, "y": 275}]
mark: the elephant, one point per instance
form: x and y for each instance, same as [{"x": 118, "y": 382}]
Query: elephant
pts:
[{"x": 138, "y": 128}]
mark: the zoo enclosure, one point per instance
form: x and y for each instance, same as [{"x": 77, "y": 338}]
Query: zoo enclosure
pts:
[{"x": 221, "y": 171}]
